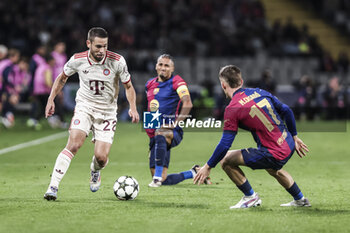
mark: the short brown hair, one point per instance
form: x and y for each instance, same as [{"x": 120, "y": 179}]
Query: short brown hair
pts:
[
  {"x": 232, "y": 75},
  {"x": 97, "y": 32}
]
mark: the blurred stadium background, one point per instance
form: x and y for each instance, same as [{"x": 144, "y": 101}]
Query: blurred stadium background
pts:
[{"x": 297, "y": 49}]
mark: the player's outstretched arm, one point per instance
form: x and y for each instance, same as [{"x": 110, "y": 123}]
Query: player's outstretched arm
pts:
[
  {"x": 56, "y": 88},
  {"x": 300, "y": 147},
  {"x": 131, "y": 97}
]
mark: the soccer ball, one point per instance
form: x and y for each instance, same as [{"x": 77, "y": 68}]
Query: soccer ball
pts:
[{"x": 126, "y": 188}]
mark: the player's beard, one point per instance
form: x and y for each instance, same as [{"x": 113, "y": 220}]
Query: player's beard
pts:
[
  {"x": 96, "y": 57},
  {"x": 163, "y": 78}
]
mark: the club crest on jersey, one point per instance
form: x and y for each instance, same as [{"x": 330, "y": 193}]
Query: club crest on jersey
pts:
[
  {"x": 106, "y": 72},
  {"x": 154, "y": 105},
  {"x": 155, "y": 91},
  {"x": 76, "y": 122}
]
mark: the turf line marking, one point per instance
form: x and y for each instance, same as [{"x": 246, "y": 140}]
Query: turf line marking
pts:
[{"x": 33, "y": 143}]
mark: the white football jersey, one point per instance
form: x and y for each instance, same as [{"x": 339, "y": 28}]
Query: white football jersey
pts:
[{"x": 98, "y": 81}]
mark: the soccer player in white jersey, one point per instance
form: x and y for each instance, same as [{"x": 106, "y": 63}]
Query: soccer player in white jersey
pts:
[{"x": 96, "y": 105}]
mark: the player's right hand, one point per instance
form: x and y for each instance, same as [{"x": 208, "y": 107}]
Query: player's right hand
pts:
[
  {"x": 300, "y": 147},
  {"x": 202, "y": 174},
  {"x": 50, "y": 108},
  {"x": 134, "y": 116}
]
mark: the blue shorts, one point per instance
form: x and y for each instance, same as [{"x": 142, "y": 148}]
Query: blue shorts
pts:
[
  {"x": 177, "y": 138},
  {"x": 262, "y": 159}
]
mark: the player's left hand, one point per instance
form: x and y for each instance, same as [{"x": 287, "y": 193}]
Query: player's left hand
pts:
[
  {"x": 300, "y": 147},
  {"x": 202, "y": 174},
  {"x": 134, "y": 116}
]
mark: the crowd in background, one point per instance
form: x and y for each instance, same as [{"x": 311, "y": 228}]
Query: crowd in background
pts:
[
  {"x": 30, "y": 80},
  {"x": 336, "y": 12},
  {"x": 181, "y": 28},
  {"x": 36, "y": 36}
]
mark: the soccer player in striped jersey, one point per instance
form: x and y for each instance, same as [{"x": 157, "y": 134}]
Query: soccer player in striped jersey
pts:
[
  {"x": 96, "y": 105},
  {"x": 263, "y": 115},
  {"x": 165, "y": 93}
]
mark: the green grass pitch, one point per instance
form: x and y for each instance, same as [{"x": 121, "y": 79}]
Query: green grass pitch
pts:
[{"x": 323, "y": 177}]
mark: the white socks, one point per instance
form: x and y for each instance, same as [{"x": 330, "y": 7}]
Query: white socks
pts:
[
  {"x": 61, "y": 166},
  {"x": 95, "y": 166}
]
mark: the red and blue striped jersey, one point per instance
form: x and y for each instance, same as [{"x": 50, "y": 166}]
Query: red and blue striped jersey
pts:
[
  {"x": 260, "y": 112},
  {"x": 163, "y": 96}
]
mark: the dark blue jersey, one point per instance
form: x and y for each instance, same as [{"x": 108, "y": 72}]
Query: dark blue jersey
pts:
[{"x": 165, "y": 97}]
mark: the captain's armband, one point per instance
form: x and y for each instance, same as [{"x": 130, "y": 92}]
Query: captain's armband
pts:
[{"x": 182, "y": 91}]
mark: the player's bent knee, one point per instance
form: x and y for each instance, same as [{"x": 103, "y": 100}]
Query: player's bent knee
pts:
[
  {"x": 74, "y": 147},
  {"x": 101, "y": 156},
  {"x": 272, "y": 172},
  {"x": 226, "y": 163},
  {"x": 159, "y": 137},
  {"x": 101, "y": 160},
  {"x": 232, "y": 158},
  {"x": 166, "y": 133},
  {"x": 160, "y": 133},
  {"x": 223, "y": 163},
  {"x": 74, "y": 143}
]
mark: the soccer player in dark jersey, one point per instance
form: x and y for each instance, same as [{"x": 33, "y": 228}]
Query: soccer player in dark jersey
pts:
[
  {"x": 263, "y": 115},
  {"x": 165, "y": 93}
]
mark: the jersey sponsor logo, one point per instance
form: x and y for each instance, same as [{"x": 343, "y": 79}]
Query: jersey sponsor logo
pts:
[
  {"x": 97, "y": 86},
  {"x": 85, "y": 71},
  {"x": 249, "y": 98},
  {"x": 155, "y": 91},
  {"x": 76, "y": 122},
  {"x": 106, "y": 72},
  {"x": 154, "y": 105},
  {"x": 282, "y": 138}
]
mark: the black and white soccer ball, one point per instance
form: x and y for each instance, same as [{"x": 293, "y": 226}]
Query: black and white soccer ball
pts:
[{"x": 126, "y": 188}]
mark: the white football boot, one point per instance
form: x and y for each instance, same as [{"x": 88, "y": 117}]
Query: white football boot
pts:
[
  {"x": 95, "y": 181},
  {"x": 303, "y": 202},
  {"x": 155, "y": 183},
  {"x": 248, "y": 201},
  {"x": 51, "y": 193}
]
